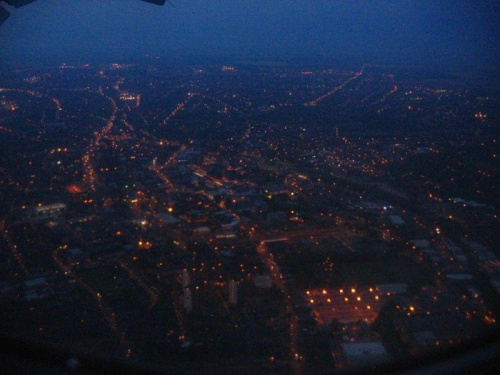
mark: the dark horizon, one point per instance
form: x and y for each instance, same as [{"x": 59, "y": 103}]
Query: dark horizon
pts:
[{"x": 447, "y": 36}]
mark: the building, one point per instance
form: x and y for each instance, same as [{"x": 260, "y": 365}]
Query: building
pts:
[
  {"x": 167, "y": 218},
  {"x": 185, "y": 278},
  {"x": 201, "y": 231},
  {"x": 396, "y": 220},
  {"x": 50, "y": 209},
  {"x": 365, "y": 353},
  {"x": 188, "y": 300},
  {"x": 233, "y": 292},
  {"x": 263, "y": 281}
]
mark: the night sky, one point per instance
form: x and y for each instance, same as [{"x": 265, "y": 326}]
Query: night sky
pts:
[{"x": 444, "y": 33}]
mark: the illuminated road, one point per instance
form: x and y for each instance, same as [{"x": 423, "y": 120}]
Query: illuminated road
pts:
[
  {"x": 274, "y": 271},
  {"x": 305, "y": 234},
  {"x": 176, "y": 298},
  {"x": 13, "y": 248},
  {"x": 59, "y": 108},
  {"x": 152, "y": 293},
  {"x": 89, "y": 174},
  {"x": 177, "y": 109},
  {"x": 393, "y": 91},
  {"x": 314, "y": 102},
  {"x": 108, "y": 315},
  {"x": 170, "y": 186}
]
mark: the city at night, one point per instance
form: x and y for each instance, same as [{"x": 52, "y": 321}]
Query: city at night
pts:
[{"x": 271, "y": 187}]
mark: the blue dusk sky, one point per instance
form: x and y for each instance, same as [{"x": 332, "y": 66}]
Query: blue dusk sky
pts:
[{"x": 434, "y": 32}]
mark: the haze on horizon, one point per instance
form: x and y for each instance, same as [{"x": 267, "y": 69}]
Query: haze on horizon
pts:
[{"x": 444, "y": 34}]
